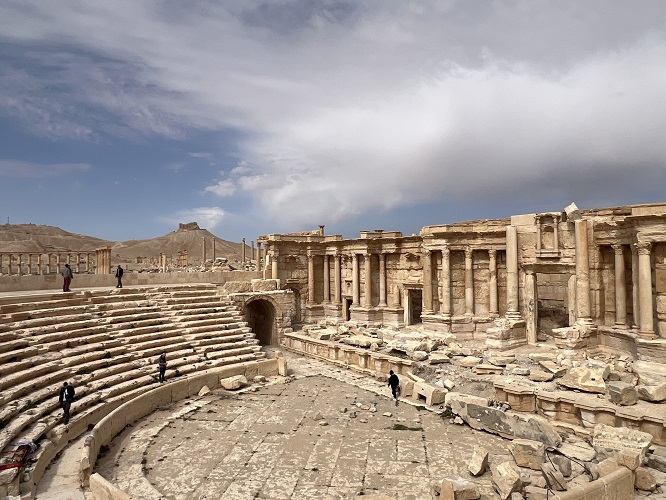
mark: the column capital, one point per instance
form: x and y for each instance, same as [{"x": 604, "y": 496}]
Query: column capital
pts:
[
  {"x": 618, "y": 247},
  {"x": 354, "y": 256},
  {"x": 468, "y": 252},
  {"x": 492, "y": 252},
  {"x": 446, "y": 251},
  {"x": 643, "y": 247}
]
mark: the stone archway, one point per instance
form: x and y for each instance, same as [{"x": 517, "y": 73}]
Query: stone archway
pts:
[{"x": 260, "y": 315}]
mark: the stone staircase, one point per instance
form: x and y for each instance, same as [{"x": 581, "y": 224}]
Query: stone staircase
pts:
[{"x": 105, "y": 342}]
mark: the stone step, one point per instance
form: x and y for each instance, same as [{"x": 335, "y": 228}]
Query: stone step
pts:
[
  {"x": 11, "y": 361},
  {"x": 13, "y": 345},
  {"x": 220, "y": 317},
  {"x": 31, "y": 303},
  {"x": 119, "y": 323},
  {"x": 33, "y": 314},
  {"x": 129, "y": 332},
  {"x": 116, "y": 314},
  {"x": 202, "y": 312},
  {"x": 190, "y": 303},
  {"x": 63, "y": 344},
  {"x": 72, "y": 336},
  {"x": 65, "y": 325},
  {"x": 9, "y": 383},
  {"x": 6, "y": 336}
]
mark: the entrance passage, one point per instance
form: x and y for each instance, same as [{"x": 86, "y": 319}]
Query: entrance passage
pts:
[
  {"x": 347, "y": 313},
  {"x": 260, "y": 315},
  {"x": 415, "y": 306}
]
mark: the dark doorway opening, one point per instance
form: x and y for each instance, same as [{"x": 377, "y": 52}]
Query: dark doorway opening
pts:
[
  {"x": 415, "y": 306},
  {"x": 260, "y": 315},
  {"x": 348, "y": 304}
]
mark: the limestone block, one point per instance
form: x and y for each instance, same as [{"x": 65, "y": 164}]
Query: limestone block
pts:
[
  {"x": 237, "y": 287},
  {"x": 501, "y": 360},
  {"x": 657, "y": 462},
  {"x": 469, "y": 361},
  {"x": 520, "y": 370},
  {"x": 506, "y": 479},
  {"x": 577, "y": 448},
  {"x": 419, "y": 355},
  {"x": 528, "y": 453},
  {"x": 553, "y": 368},
  {"x": 204, "y": 390},
  {"x": 488, "y": 369},
  {"x": 432, "y": 395},
  {"x": 540, "y": 376},
  {"x": 478, "y": 464},
  {"x": 554, "y": 477},
  {"x": 437, "y": 358},
  {"x": 537, "y": 493},
  {"x": 645, "y": 480},
  {"x": 621, "y": 393},
  {"x": 563, "y": 464},
  {"x": 584, "y": 379},
  {"x": 631, "y": 459},
  {"x": 572, "y": 212},
  {"x": 360, "y": 341},
  {"x": 233, "y": 383},
  {"x": 620, "y": 438},
  {"x": 606, "y": 467},
  {"x": 264, "y": 285},
  {"x": 655, "y": 393},
  {"x": 282, "y": 366},
  {"x": 458, "y": 489},
  {"x": 259, "y": 379}
]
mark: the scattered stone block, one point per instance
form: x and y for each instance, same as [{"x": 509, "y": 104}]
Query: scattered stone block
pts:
[
  {"x": 645, "y": 480},
  {"x": 621, "y": 393},
  {"x": 488, "y": 369},
  {"x": 449, "y": 384},
  {"x": 437, "y": 358},
  {"x": 554, "y": 477},
  {"x": 233, "y": 383},
  {"x": 479, "y": 461},
  {"x": 204, "y": 390},
  {"x": 458, "y": 489},
  {"x": 563, "y": 464},
  {"x": 577, "y": 448},
  {"x": 584, "y": 379},
  {"x": 536, "y": 493},
  {"x": 259, "y": 379},
  {"x": 264, "y": 285},
  {"x": 419, "y": 355},
  {"x": 657, "y": 462},
  {"x": 606, "y": 467},
  {"x": 553, "y": 368},
  {"x": 469, "y": 361},
  {"x": 283, "y": 371},
  {"x": 528, "y": 453},
  {"x": 655, "y": 393},
  {"x": 520, "y": 370},
  {"x": 620, "y": 438},
  {"x": 501, "y": 360},
  {"x": 541, "y": 376},
  {"x": 631, "y": 459},
  {"x": 506, "y": 479}
]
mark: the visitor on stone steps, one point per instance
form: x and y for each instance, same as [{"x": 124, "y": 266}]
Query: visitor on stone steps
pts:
[
  {"x": 162, "y": 362},
  {"x": 394, "y": 382},
  {"x": 66, "y": 397},
  {"x": 119, "y": 275},
  {"x": 68, "y": 277}
]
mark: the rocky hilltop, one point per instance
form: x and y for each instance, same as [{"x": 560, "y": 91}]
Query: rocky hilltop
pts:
[{"x": 34, "y": 238}]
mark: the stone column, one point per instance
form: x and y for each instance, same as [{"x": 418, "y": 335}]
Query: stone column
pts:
[
  {"x": 311, "y": 288},
  {"x": 265, "y": 256},
  {"x": 337, "y": 296},
  {"x": 215, "y": 256},
  {"x": 252, "y": 251},
  {"x": 243, "y": 251},
  {"x": 556, "y": 231},
  {"x": 646, "y": 325},
  {"x": 274, "y": 264},
  {"x": 620, "y": 288},
  {"x": 492, "y": 271},
  {"x": 327, "y": 280},
  {"x": 582, "y": 273},
  {"x": 203, "y": 250},
  {"x": 469, "y": 282},
  {"x": 427, "y": 281},
  {"x": 367, "y": 299},
  {"x": 382, "y": 280},
  {"x": 512, "y": 311},
  {"x": 446, "y": 283},
  {"x": 356, "y": 292},
  {"x": 531, "y": 300},
  {"x": 78, "y": 262},
  {"x": 634, "y": 287},
  {"x": 20, "y": 263},
  {"x": 40, "y": 271}
]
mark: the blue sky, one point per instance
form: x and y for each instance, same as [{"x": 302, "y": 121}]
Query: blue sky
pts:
[{"x": 121, "y": 119}]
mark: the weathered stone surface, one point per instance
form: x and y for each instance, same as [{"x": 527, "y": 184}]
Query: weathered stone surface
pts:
[
  {"x": 620, "y": 438},
  {"x": 563, "y": 464},
  {"x": 264, "y": 285},
  {"x": 657, "y": 462},
  {"x": 574, "y": 447},
  {"x": 631, "y": 459},
  {"x": 419, "y": 355},
  {"x": 554, "y": 477},
  {"x": 655, "y": 393},
  {"x": 359, "y": 341},
  {"x": 237, "y": 287},
  {"x": 540, "y": 376},
  {"x": 645, "y": 480},
  {"x": 501, "y": 360},
  {"x": 478, "y": 464},
  {"x": 482, "y": 417},
  {"x": 527, "y": 453},
  {"x": 506, "y": 479},
  {"x": 553, "y": 368},
  {"x": 233, "y": 383},
  {"x": 605, "y": 467},
  {"x": 621, "y": 393},
  {"x": 204, "y": 390},
  {"x": 469, "y": 361},
  {"x": 458, "y": 489},
  {"x": 437, "y": 358},
  {"x": 584, "y": 379}
]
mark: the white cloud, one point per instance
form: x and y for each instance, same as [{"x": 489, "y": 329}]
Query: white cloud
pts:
[
  {"x": 222, "y": 188},
  {"x": 18, "y": 169},
  {"x": 207, "y": 217}
]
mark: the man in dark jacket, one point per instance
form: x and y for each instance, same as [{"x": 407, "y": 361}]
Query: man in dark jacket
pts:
[
  {"x": 394, "y": 383},
  {"x": 66, "y": 397},
  {"x": 119, "y": 275}
]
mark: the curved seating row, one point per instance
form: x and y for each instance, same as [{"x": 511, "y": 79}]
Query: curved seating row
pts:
[{"x": 105, "y": 342}]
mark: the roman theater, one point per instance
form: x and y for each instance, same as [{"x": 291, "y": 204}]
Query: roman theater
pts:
[{"x": 531, "y": 352}]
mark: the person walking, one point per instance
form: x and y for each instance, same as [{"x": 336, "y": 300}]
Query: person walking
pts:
[
  {"x": 394, "y": 383},
  {"x": 68, "y": 276},
  {"x": 119, "y": 275},
  {"x": 66, "y": 397},
  {"x": 162, "y": 362}
]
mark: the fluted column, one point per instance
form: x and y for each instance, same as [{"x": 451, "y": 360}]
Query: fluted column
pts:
[
  {"x": 646, "y": 325},
  {"x": 620, "y": 287},
  {"x": 337, "y": 296},
  {"x": 469, "y": 282},
  {"x": 582, "y": 273},
  {"x": 215, "y": 256},
  {"x": 427, "y": 281},
  {"x": 512, "y": 304},
  {"x": 356, "y": 292},
  {"x": 203, "y": 250},
  {"x": 367, "y": 300},
  {"x": 311, "y": 289},
  {"x": 274, "y": 264},
  {"x": 382, "y": 280},
  {"x": 243, "y": 251},
  {"x": 492, "y": 279},
  {"x": 446, "y": 283},
  {"x": 9, "y": 264},
  {"x": 634, "y": 287},
  {"x": 327, "y": 280}
]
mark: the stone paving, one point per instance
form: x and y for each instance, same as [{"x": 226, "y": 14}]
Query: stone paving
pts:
[{"x": 327, "y": 434}]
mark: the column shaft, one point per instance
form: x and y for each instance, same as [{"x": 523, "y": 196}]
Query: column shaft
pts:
[
  {"x": 512, "y": 272},
  {"x": 646, "y": 326},
  {"x": 327, "y": 280},
  {"x": 634, "y": 287},
  {"x": 337, "y": 279},
  {"x": 492, "y": 271},
  {"x": 582, "y": 272},
  {"x": 356, "y": 292},
  {"x": 446, "y": 283},
  {"x": 469, "y": 282},
  {"x": 382, "y": 280},
  {"x": 274, "y": 265},
  {"x": 311, "y": 289},
  {"x": 620, "y": 287},
  {"x": 367, "y": 302},
  {"x": 427, "y": 281}
]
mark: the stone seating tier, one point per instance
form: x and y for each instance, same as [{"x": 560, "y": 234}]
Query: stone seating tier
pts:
[{"x": 108, "y": 350}]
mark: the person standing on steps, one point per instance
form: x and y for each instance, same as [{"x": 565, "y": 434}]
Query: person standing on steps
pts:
[
  {"x": 119, "y": 275},
  {"x": 394, "y": 383},
  {"x": 66, "y": 397},
  {"x": 162, "y": 362},
  {"x": 68, "y": 276}
]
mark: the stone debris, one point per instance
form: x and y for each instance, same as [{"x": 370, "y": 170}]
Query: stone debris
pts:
[
  {"x": 576, "y": 448},
  {"x": 204, "y": 390},
  {"x": 457, "y": 489},
  {"x": 233, "y": 383},
  {"x": 553, "y": 368},
  {"x": 621, "y": 393},
  {"x": 585, "y": 379},
  {"x": 478, "y": 464},
  {"x": 527, "y": 453},
  {"x": 554, "y": 477},
  {"x": 606, "y": 438},
  {"x": 506, "y": 479},
  {"x": 540, "y": 376},
  {"x": 645, "y": 480},
  {"x": 387, "y": 414}
]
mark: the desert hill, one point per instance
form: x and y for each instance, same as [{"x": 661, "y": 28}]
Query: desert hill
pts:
[{"x": 37, "y": 238}]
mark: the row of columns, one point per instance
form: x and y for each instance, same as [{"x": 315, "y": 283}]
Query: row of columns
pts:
[
  {"x": 445, "y": 281},
  {"x": 641, "y": 268},
  {"x": 43, "y": 266}
]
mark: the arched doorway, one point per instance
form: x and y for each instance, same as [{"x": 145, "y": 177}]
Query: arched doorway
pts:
[{"x": 260, "y": 315}]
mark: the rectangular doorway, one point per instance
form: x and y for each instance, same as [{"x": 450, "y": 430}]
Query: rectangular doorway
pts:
[
  {"x": 415, "y": 298},
  {"x": 347, "y": 312}
]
